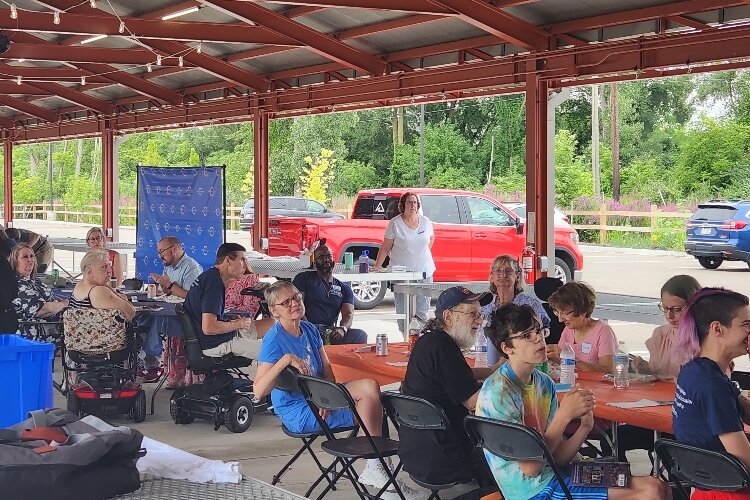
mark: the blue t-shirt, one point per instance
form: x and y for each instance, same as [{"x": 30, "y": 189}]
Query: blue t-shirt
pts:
[
  {"x": 291, "y": 407},
  {"x": 323, "y": 300},
  {"x": 705, "y": 405},
  {"x": 206, "y": 295}
]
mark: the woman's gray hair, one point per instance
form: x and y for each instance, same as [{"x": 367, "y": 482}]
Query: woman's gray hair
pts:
[
  {"x": 513, "y": 264},
  {"x": 273, "y": 291},
  {"x": 92, "y": 258},
  {"x": 15, "y": 255}
]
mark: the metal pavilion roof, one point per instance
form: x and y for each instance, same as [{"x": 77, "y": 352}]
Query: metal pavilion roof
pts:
[{"x": 225, "y": 58}]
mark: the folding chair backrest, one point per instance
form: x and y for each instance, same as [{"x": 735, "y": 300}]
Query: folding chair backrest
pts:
[
  {"x": 504, "y": 439},
  {"x": 287, "y": 380},
  {"x": 324, "y": 394},
  {"x": 704, "y": 469},
  {"x": 414, "y": 412}
]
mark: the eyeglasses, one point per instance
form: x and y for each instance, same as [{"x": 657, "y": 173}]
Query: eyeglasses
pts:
[
  {"x": 324, "y": 258},
  {"x": 503, "y": 272},
  {"x": 160, "y": 252},
  {"x": 286, "y": 304},
  {"x": 475, "y": 315},
  {"x": 411, "y": 202},
  {"x": 94, "y": 238},
  {"x": 562, "y": 313},
  {"x": 536, "y": 333},
  {"x": 671, "y": 310}
]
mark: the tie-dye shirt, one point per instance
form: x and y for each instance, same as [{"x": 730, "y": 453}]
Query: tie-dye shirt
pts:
[{"x": 505, "y": 397}]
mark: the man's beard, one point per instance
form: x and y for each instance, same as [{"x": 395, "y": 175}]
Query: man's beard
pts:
[
  {"x": 326, "y": 268},
  {"x": 463, "y": 336}
]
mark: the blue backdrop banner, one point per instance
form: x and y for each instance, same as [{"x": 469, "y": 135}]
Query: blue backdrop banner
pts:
[{"x": 186, "y": 202}]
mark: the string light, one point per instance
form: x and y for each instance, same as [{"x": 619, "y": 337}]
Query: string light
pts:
[
  {"x": 180, "y": 62},
  {"x": 121, "y": 29},
  {"x": 149, "y": 68},
  {"x": 56, "y": 17},
  {"x": 19, "y": 80},
  {"x": 83, "y": 80},
  {"x": 158, "y": 59},
  {"x": 200, "y": 50},
  {"x": 93, "y": 4},
  {"x": 13, "y": 11}
]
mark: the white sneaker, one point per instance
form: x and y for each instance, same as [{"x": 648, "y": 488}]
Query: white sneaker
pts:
[
  {"x": 410, "y": 493},
  {"x": 374, "y": 476}
]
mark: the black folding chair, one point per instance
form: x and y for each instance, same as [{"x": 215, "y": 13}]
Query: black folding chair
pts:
[
  {"x": 287, "y": 381},
  {"x": 322, "y": 394},
  {"x": 702, "y": 469},
  {"x": 418, "y": 413},
  {"x": 512, "y": 442},
  {"x": 28, "y": 329}
]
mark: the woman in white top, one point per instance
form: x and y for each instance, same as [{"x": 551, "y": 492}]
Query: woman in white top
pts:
[{"x": 408, "y": 240}]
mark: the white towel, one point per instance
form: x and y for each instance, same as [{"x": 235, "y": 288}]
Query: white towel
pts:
[{"x": 162, "y": 460}]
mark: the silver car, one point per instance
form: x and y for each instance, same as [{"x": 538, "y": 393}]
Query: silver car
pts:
[{"x": 287, "y": 206}]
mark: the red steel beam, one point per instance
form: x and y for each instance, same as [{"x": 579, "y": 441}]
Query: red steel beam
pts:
[
  {"x": 29, "y": 109},
  {"x": 416, "y": 6},
  {"x": 314, "y": 40},
  {"x": 260, "y": 178},
  {"x": 108, "y": 183},
  {"x": 8, "y": 182},
  {"x": 42, "y": 52},
  {"x": 102, "y": 24},
  {"x": 76, "y": 97},
  {"x": 49, "y": 74},
  {"x": 620, "y": 59},
  {"x": 692, "y": 23},
  {"x": 498, "y": 22},
  {"x": 638, "y": 15}
]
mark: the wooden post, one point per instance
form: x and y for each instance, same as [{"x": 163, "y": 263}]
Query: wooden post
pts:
[
  {"x": 654, "y": 210},
  {"x": 603, "y": 223},
  {"x": 8, "y": 182}
]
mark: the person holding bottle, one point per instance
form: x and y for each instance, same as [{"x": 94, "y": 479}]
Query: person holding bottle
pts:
[
  {"x": 506, "y": 286},
  {"x": 408, "y": 239},
  {"x": 593, "y": 341},
  {"x": 675, "y": 296}
]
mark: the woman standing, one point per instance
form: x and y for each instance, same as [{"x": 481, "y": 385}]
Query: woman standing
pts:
[
  {"x": 95, "y": 241},
  {"x": 35, "y": 300},
  {"x": 408, "y": 240},
  {"x": 506, "y": 287}
]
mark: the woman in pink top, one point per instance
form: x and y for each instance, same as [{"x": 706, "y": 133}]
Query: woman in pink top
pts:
[
  {"x": 675, "y": 295},
  {"x": 593, "y": 340}
]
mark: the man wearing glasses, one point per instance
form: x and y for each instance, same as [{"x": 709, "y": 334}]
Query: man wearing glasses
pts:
[
  {"x": 327, "y": 299},
  {"x": 205, "y": 305},
  {"x": 437, "y": 371},
  {"x": 180, "y": 269}
]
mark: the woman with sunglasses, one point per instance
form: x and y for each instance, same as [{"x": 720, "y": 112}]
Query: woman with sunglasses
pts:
[
  {"x": 506, "y": 287},
  {"x": 675, "y": 296},
  {"x": 297, "y": 343},
  {"x": 96, "y": 241}
]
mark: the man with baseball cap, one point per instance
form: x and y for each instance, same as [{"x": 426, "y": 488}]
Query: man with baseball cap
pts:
[{"x": 438, "y": 372}]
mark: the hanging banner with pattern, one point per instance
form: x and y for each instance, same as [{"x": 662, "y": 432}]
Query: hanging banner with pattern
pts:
[{"x": 185, "y": 202}]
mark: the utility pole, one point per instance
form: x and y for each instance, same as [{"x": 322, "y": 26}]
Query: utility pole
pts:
[
  {"x": 49, "y": 176},
  {"x": 615, "y": 142},
  {"x": 421, "y": 146},
  {"x": 492, "y": 158},
  {"x": 595, "y": 166}
]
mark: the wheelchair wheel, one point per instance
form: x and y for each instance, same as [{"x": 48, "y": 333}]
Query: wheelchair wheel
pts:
[
  {"x": 240, "y": 415},
  {"x": 73, "y": 404},
  {"x": 138, "y": 411},
  {"x": 175, "y": 409}
]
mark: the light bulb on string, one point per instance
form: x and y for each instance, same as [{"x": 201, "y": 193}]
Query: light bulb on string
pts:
[
  {"x": 19, "y": 80},
  {"x": 13, "y": 11},
  {"x": 180, "y": 62},
  {"x": 121, "y": 29},
  {"x": 93, "y": 4},
  {"x": 56, "y": 17},
  {"x": 158, "y": 59},
  {"x": 83, "y": 80},
  {"x": 199, "y": 49},
  {"x": 149, "y": 68}
]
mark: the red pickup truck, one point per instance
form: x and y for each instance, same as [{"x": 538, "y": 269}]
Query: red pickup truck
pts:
[{"x": 471, "y": 229}]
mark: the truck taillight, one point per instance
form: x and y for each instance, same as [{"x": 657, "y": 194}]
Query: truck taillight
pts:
[
  {"x": 734, "y": 225},
  {"x": 309, "y": 235}
]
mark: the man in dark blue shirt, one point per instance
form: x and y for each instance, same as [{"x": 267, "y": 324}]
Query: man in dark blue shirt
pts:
[
  {"x": 326, "y": 298},
  {"x": 205, "y": 305}
]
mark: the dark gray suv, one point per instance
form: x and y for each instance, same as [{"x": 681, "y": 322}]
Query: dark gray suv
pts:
[{"x": 287, "y": 206}]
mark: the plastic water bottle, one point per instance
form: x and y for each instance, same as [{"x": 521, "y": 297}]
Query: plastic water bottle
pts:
[
  {"x": 364, "y": 262},
  {"x": 622, "y": 365},
  {"x": 567, "y": 367},
  {"x": 414, "y": 329},
  {"x": 480, "y": 350}
]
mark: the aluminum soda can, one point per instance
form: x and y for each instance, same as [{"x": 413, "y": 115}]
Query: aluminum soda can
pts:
[
  {"x": 151, "y": 291},
  {"x": 381, "y": 344}
]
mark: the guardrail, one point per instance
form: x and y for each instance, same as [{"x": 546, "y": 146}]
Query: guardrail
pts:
[{"x": 649, "y": 220}]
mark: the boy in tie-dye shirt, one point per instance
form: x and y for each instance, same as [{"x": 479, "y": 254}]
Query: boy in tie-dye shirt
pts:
[{"x": 519, "y": 393}]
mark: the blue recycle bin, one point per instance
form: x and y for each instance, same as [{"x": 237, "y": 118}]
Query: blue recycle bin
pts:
[{"x": 25, "y": 377}]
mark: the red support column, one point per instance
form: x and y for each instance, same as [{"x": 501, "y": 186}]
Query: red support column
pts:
[
  {"x": 108, "y": 183},
  {"x": 536, "y": 165},
  {"x": 260, "y": 178},
  {"x": 8, "y": 182}
]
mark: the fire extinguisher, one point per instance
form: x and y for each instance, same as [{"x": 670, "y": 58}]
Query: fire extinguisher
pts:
[{"x": 528, "y": 265}]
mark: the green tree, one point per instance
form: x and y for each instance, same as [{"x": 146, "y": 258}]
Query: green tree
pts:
[
  {"x": 572, "y": 177},
  {"x": 317, "y": 175}
]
